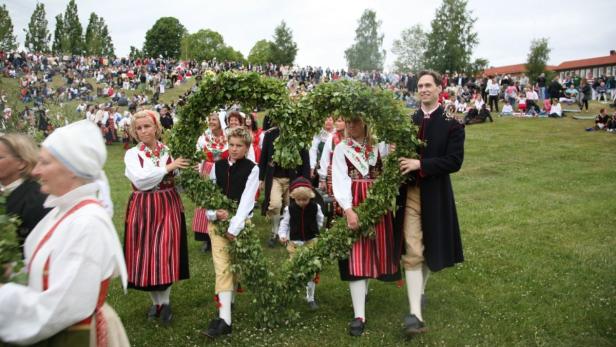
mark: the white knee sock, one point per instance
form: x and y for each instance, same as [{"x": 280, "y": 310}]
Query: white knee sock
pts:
[
  {"x": 164, "y": 295},
  {"x": 310, "y": 289},
  {"x": 154, "y": 297},
  {"x": 224, "y": 312},
  {"x": 275, "y": 224},
  {"x": 426, "y": 273},
  {"x": 414, "y": 286},
  {"x": 358, "y": 296}
]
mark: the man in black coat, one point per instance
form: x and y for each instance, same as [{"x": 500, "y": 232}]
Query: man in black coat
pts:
[
  {"x": 275, "y": 180},
  {"x": 426, "y": 207}
]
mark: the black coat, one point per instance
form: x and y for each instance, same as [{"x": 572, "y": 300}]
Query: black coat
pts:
[
  {"x": 267, "y": 166},
  {"x": 26, "y": 202},
  {"x": 442, "y": 156}
]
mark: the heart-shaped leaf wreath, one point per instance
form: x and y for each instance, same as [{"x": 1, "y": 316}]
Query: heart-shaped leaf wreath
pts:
[{"x": 298, "y": 121}]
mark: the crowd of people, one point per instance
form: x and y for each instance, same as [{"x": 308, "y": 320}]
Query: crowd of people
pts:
[{"x": 344, "y": 161}]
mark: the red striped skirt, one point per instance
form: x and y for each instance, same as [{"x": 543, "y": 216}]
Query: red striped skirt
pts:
[
  {"x": 200, "y": 222},
  {"x": 155, "y": 245},
  {"x": 377, "y": 257}
]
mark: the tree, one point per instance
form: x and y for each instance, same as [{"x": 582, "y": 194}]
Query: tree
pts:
[
  {"x": 410, "y": 49},
  {"x": 205, "y": 44},
  {"x": 537, "y": 58},
  {"x": 366, "y": 53},
  {"x": 261, "y": 53},
  {"x": 164, "y": 38},
  {"x": 73, "y": 31},
  {"x": 97, "y": 39},
  {"x": 8, "y": 41},
  {"x": 37, "y": 34},
  {"x": 60, "y": 43},
  {"x": 477, "y": 67},
  {"x": 283, "y": 49},
  {"x": 135, "y": 52},
  {"x": 451, "y": 41}
]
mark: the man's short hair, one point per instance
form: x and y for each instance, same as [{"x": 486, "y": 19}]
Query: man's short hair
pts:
[{"x": 437, "y": 76}]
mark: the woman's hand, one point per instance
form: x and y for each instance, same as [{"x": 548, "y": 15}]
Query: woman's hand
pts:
[
  {"x": 352, "y": 219},
  {"x": 283, "y": 240},
  {"x": 222, "y": 214},
  {"x": 178, "y": 163},
  {"x": 230, "y": 236}
]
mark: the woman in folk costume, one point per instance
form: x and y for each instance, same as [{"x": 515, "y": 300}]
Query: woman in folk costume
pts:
[
  {"x": 316, "y": 149},
  {"x": 213, "y": 143},
  {"x": 234, "y": 120},
  {"x": 70, "y": 255},
  {"x": 356, "y": 164},
  {"x": 325, "y": 163},
  {"x": 155, "y": 244},
  {"x": 257, "y": 135}
]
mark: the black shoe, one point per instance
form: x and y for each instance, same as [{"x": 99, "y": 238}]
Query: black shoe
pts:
[
  {"x": 413, "y": 326},
  {"x": 313, "y": 306},
  {"x": 271, "y": 243},
  {"x": 217, "y": 327},
  {"x": 153, "y": 312},
  {"x": 356, "y": 327},
  {"x": 166, "y": 314}
]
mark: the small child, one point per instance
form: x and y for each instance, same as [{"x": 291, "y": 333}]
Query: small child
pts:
[
  {"x": 238, "y": 178},
  {"x": 300, "y": 224},
  {"x": 507, "y": 109},
  {"x": 522, "y": 103}
]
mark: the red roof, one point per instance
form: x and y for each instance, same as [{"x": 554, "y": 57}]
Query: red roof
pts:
[
  {"x": 582, "y": 63},
  {"x": 511, "y": 69}
]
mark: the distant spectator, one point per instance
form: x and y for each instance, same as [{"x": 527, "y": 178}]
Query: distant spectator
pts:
[
  {"x": 611, "y": 124},
  {"x": 507, "y": 109},
  {"x": 586, "y": 94},
  {"x": 555, "y": 109},
  {"x": 555, "y": 88},
  {"x": 601, "y": 119}
]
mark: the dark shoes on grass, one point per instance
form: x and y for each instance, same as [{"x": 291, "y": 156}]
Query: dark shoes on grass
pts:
[
  {"x": 413, "y": 326},
  {"x": 356, "y": 327},
  {"x": 163, "y": 312},
  {"x": 217, "y": 327}
]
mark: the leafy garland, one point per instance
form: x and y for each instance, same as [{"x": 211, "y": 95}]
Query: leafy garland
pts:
[
  {"x": 298, "y": 121},
  {"x": 10, "y": 252}
]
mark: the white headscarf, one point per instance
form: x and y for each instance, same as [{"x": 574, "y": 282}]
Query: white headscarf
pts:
[{"x": 79, "y": 146}]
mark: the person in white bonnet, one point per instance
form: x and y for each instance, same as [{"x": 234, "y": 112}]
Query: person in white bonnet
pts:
[{"x": 71, "y": 255}]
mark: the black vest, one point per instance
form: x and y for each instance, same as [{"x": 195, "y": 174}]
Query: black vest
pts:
[
  {"x": 232, "y": 178},
  {"x": 303, "y": 223}
]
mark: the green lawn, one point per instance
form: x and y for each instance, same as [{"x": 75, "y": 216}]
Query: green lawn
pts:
[
  {"x": 538, "y": 229},
  {"x": 537, "y": 223}
]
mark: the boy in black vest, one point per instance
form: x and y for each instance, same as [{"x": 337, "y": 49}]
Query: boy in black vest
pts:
[
  {"x": 300, "y": 224},
  {"x": 238, "y": 178}
]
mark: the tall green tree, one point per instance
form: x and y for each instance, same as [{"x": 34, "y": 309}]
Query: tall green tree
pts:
[
  {"x": 73, "y": 30},
  {"x": 205, "y": 44},
  {"x": 37, "y": 34},
  {"x": 409, "y": 49},
  {"x": 60, "y": 43},
  {"x": 538, "y": 57},
  {"x": 366, "y": 53},
  {"x": 260, "y": 53},
  {"x": 283, "y": 48},
  {"x": 8, "y": 41},
  {"x": 164, "y": 38},
  {"x": 451, "y": 41},
  {"x": 135, "y": 52},
  {"x": 97, "y": 39},
  {"x": 477, "y": 67}
]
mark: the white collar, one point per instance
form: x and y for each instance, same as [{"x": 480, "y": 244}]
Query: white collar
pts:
[
  {"x": 69, "y": 199},
  {"x": 9, "y": 188}
]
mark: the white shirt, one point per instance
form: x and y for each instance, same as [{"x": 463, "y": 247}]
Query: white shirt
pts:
[
  {"x": 341, "y": 182},
  {"x": 556, "y": 109},
  {"x": 84, "y": 249},
  {"x": 247, "y": 201},
  {"x": 314, "y": 148},
  {"x": 146, "y": 177},
  {"x": 325, "y": 157},
  {"x": 284, "y": 228}
]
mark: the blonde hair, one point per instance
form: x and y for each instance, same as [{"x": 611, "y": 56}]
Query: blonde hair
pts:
[
  {"x": 370, "y": 140},
  {"x": 152, "y": 115},
  {"x": 302, "y": 193},
  {"x": 241, "y": 133},
  {"x": 23, "y": 148}
]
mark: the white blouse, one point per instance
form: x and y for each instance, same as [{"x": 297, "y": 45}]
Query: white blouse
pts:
[
  {"x": 146, "y": 177},
  {"x": 84, "y": 250}
]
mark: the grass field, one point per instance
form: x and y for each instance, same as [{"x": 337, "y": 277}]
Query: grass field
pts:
[{"x": 536, "y": 204}]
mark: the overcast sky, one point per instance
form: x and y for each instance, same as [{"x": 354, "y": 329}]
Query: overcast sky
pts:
[{"x": 324, "y": 29}]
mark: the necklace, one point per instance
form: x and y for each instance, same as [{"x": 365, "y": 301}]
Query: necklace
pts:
[{"x": 155, "y": 154}]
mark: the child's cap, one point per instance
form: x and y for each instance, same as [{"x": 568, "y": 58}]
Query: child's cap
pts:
[{"x": 300, "y": 182}]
